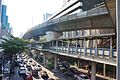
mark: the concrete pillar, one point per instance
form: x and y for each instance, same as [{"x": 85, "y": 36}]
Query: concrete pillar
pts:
[
  {"x": 111, "y": 48},
  {"x": 44, "y": 58},
  {"x": 103, "y": 53},
  {"x": 39, "y": 54},
  {"x": 78, "y": 64},
  {"x": 96, "y": 48},
  {"x": 62, "y": 46},
  {"x": 104, "y": 69},
  {"x": 76, "y": 46},
  {"x": 52, "y": 44},
  {"x": 85, "y": 50},
  {"x": 68, "y": 46},
  {"x": 56, "y": 45},
  {"x": 118, "y": 38},
  {"x": 93, "y": 71},
  {"x": 55, "y": 63},
  {"x": 90, "y": 51},
  {"x": 72, "y": 47}
]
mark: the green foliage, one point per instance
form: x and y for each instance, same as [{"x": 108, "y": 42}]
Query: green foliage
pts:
[{"x": 14, "y": 45}]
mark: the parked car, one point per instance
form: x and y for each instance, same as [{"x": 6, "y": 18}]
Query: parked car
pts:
[
  {"x": 30, "y": 60},
  {"x": 35, "y": 73},
  {"x": 34, "y": 64},
  {"x": 38, "y": 68},
  {"x": 74, "y": 70},
  {"x": 22, "y": 71},
  {"x": 62, "y": 68},
  {"x": 69, "y": 73},
  {"x": 29, "y": 67},
  {"x": 81, "y": 77},
  {"x": 65, "y": 64},
  {"x": 6, "y": 70},
  {"x": 29, "y": 77}
]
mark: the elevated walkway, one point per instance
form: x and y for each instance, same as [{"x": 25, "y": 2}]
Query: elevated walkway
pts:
[{"x": 95, "y": 58}]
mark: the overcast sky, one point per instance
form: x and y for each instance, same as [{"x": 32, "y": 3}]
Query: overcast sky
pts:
[{"x": 21, "y": 12}]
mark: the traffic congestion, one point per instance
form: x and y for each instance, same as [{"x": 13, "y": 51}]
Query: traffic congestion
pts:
[{"x": 29, "y": 69}]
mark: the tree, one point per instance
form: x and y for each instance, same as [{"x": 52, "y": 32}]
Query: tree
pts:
[{"x": 13, "y": 46}]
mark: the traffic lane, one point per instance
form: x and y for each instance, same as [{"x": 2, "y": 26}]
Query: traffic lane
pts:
[{"x": 16, "y": 76}]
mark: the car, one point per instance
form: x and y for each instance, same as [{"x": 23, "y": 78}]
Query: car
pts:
[
  {"x": 74, "y": 70},
  {"x": 65, "y": 64},
  {"x": 62, "y": 68},
  {"x": 22, "y": 71},
  {"x": 35, "y": 73},
  {"x": 34, "y": 64},
  {"x": 29, "y": 77},
  {"x": 29, "y": 67},
  {"x": 81, "y": 77},
  {"x": 68, "y": 73},
  {"x": 30, "y": 60},
  {"x": 21, "y": 64},
  {"x": 6, "y": 70},
  {"x": 38, "y": 68}
]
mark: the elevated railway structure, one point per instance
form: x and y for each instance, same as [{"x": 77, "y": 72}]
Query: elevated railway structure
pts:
[{"x": 83, "y": 30}]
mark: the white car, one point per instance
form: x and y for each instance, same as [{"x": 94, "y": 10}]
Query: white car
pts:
[
  {"x": 38, "y": 68},
  {"x": 22, "y": 70},
  {"x": 81, "y": 77}
]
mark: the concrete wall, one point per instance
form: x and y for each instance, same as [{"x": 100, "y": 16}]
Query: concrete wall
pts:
[{"x": 50, "y": 35}]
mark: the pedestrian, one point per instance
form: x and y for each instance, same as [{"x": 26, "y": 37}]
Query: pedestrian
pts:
[{"x": 45, "y": 75}]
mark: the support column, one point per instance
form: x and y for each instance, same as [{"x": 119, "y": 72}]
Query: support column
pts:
[
  {"x": 85, "y": 50},
  {"x": 62, "y": 46},
  {"x": 78, "y": 64},
  {"x": 39, "y": 54},
  {"x": 111, "y": 48},
  {"x": 55, "y": 63},
  {"x": 93, "y": 71},
  {"x": 72, "y": 46},
  {"x": 104, "y": 69},
  {"x": 76, "y": 46},
  {"x": 68, "y": 46},
  {"x": 96, "y": 48},
  {"x": 49, "y": 45},
  {"x": 52, "y": 44},
  {"x": 56, "y": 45},
  {"x": 118, "y": 38},
  {"x": 44, "y": 60}
]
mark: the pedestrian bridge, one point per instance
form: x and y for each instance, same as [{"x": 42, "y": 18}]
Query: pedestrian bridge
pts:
[{"x": 100, "y": 55}]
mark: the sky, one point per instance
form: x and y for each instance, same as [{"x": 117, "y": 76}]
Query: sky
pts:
[{"x": 24, "y": 14}]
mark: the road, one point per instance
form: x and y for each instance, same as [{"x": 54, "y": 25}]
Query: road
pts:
[{"x": 16, "y": 76}]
